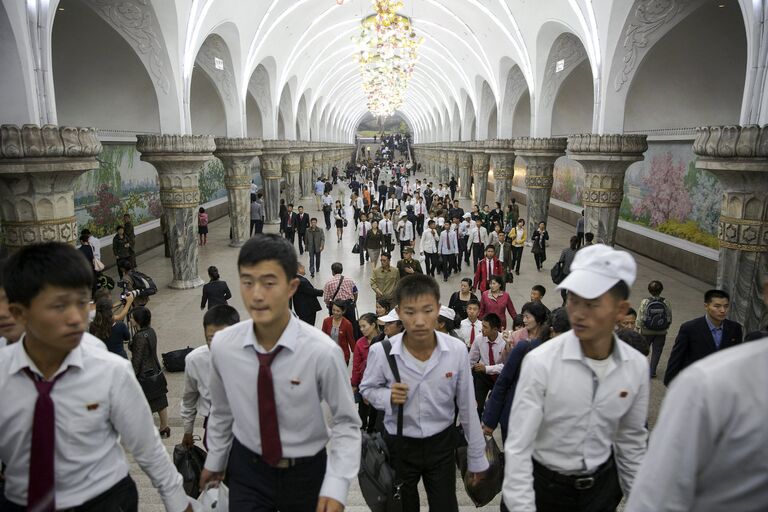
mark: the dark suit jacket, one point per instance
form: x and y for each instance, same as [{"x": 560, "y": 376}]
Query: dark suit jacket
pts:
[
  {"x": 302, "y": 223},
  {"x": 294, "y": 221},
  {"x": 694, "y": 341},
  {"x": 305, "y": 300}
]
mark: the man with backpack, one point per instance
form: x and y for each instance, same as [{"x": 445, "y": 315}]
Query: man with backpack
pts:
[
  {"x": 653, "y": 320},
  {"x": 138, "y": 282}
]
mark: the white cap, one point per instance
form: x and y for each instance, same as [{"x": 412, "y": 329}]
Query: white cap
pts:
[
  {"x": 392, "y": 316},
  {"x": 467, "y": 215},
  {"x": 403, "y": 214},
  {"x": 596, "y": 269},
  {"x": 447, "y": 313}
]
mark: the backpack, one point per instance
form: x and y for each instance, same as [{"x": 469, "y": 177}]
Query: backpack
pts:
[
  {"x": 175, "y": 360},
  {"x": 655, "y": 318},
  {"x": 377, "y": 479}
]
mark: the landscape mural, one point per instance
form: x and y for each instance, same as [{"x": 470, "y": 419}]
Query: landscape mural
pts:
[
  {"x": 664, "y": 192},
  {"x": 124, "y": 184}
]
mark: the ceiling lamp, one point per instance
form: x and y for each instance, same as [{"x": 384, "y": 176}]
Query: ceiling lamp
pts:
[{"x": 387, "y": 56}]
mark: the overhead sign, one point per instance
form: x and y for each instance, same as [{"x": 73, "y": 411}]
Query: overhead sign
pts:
[
  {"x": 218, "y": 63},
  {"x": 560, "y": 65}
]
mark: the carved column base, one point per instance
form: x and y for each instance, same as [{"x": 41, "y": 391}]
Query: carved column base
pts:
[
  {"x": 605, "y": 159},
  {"x": 38, "y": 169},
  {"x": 178, "y": 160},
  {"x": 738, "y": 157}
]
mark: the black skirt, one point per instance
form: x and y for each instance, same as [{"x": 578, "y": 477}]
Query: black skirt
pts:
[{"x": 202, "y": 230}]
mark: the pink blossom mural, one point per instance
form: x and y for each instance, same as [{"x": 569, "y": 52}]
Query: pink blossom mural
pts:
[{"x": 666, "y": 197}]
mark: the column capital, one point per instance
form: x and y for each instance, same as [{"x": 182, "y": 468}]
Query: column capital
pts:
[
  {"x": 292, "y": 162},
  {"x": 539, "y": 146},
  {"x": 235, "y": 147},
  {"x": 613, "y": 146}
]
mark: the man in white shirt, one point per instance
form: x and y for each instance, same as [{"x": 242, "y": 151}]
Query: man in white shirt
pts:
[
  {"x": 471, "y": 328},
  {"x": 420, "y": 210},
  {"x": 577, "y": 427},
  {"x": 429, "y": 241},
  {"x": 708, "y": 449},
  {"x": 327, "y": 201},
  {"x": 448, "y": 248},
  {"x": 363, "y": 228},
  {"x": 197, "y": 371},
  {"x": 478, "y": 237},
  {"x": 463, "y": 235},
  {"x": 392, "y": 203},
  {"x": 405, "y": 233},
  {"x": 387, "y": 228},
  {"x": 74, "y": 407},
  {"x": 434, "y": 380},
  {"x": 269, "y": 376},
  {"x": 485, "y": 358}
]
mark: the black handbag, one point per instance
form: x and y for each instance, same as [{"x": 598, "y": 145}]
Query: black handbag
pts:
[
  {"x": 174, "y": 361},
  {"x": 153, "y": 382},
  {"x": 356, "y": 249},
  {"x": 558, "y": 272}
]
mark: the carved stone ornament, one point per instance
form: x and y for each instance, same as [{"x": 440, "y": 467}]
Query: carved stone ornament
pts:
[
  {"x": 32, "y": 141},
  {"x": 237, "y": 145},
  {"x": 539, "y": 181},
  {"x": 545, "y": 144},
  {"x": 291, "y": 163},
  {"x": 175, "y": 144},
  {"x": 602, "y": 198},
  {"x": 214, "y": 47},
  {"x": 611, "y": 144},
  {"x": 749, "y": 141},
  {"x": 480, "y": 163},
  {"x": 568, "y": 48}
]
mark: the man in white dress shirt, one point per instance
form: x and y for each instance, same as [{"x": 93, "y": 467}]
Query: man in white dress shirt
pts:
[
  {"x": 478, "y": 238},
  {"x": 577, "y": 428},
  {"x": 269, "y": 376},
  {"x": 485, "y": 358},
  {"x": 448, "y": 249},
  {"x": 471, "y": 328},
  {"x": 363, "y": 228},
  {"x": 429, "y": 241},
  {"x": 406, "y": 233},
  {"x": 708, "y": 449},
  {"x": 197, "y": 370},
  {"x": 68, "y": 409},
  {"x": 434, "y": 380}
]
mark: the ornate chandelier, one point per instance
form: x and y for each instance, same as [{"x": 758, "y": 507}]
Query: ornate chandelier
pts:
[{"x": 387, "y": 56}]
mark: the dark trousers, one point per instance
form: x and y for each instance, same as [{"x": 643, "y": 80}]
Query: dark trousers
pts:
[
  {"x": 308, "y": 318},
  {"x": 539, "y": 259},
  {"x": 449, "y": 264},
  {"x": 580, "y": 236},
  {"x": 517, "y": 257},
  {"x": 122, "y": 497},
  {"x": 356, "y": 216},
  {"x": 555, "y": 495},
  {"x": 327, "y": 215},
  {"x": 430, "y": 261},
  {"x": 420, "y": 224},
  {"x": 386, "y": 242},
  {"x": 656, "y": 342},
  {"x": 314, "y": 262},
  {"x": 255, "y": 486},
  {"x": 363, "y": 252},
  {"x": 478, "y": 253},
  {"x": 301, "y": 241},
  {"x": 382, "y": 202},
  {"x": 463, "y": 250},
  {"x": 483, "y": 385},
  {"x": 430, "y": 459},
  {"x": 290, "y": 234}
]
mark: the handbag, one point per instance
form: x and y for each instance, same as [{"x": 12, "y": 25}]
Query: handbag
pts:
[
  {"x": 558, "y": 272},
  {"x": 98, "y": 266},
  {"x": 153, "y": 382},
  {"x": 356, "y": 249}
]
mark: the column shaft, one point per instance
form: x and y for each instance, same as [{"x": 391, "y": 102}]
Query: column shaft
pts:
[
  {"x": 237, "y": 155},
  {"x": 539, "y": 155},
  {"x": 291, "y": 168},
  {"x": 480, "y": 167},
  {"x": 465, "y": 174}
]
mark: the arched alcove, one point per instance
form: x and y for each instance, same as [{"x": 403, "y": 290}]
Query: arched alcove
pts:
[
  {"x": 205, "y": 106},
  {"x": 572, "y": 109},
  {"x": 98, "y": 78},
  {"x": 253, "y": 118},
  {"x": 521, "y": 119},
  {"x": 12, "y": 88},
  {"x": 692, "y": 76},
  {"x": 492, "y": 123}
]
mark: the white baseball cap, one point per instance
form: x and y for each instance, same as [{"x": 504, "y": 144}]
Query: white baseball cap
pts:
[
  {"x": 447, "y": 313},
  {"x": 596, "y": 269},
  {"x": 467, "y": 215},
  {"x": 392, "y": 316},
  {"x": 403, "y": 214}
]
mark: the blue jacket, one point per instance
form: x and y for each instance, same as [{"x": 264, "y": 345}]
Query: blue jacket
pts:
[{"x": 499, "y": 404}]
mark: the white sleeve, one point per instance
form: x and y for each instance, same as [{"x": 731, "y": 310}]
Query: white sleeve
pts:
[
  {"x": 189, "y": 398},
  {"x": 220, "y": 421},
  {"x": 473, "y": 432}
]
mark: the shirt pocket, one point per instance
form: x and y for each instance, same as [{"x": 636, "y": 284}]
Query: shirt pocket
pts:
[
  {"x": 441, "y": 387},
  {"x": 88, "y": 422}
]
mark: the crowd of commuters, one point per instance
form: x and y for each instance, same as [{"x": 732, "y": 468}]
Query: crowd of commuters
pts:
[{"x": 568, "y": 388}]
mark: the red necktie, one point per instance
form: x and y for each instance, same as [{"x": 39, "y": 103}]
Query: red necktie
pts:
[
  {"x": 364, "y": 231},
  {"x": 448, "y": 241},
  {"x": 491, "y": 359},
  {"x": 478, "y": 236},
  {"x": 271, "y": 449},
  {"x": 472, "y": 335},
  {"x": 41, "y": 489},
  {"x": 289, "y": 220}
]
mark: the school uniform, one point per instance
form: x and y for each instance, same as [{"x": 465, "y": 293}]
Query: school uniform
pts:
[
  {"x": 478, "y": 237},
  {"x": 448, "y": 248},
  {"x": 487, "y": 352},
  {"x": 363, "y": 228},
  {"x": 197, "y": 395},
  {"x": 273, "y": 445},
  {"x": 98, "y": 408},
  {"x": 470, "y": 331},
  {"x": 429, "y": 241},
  {"x": 427, "y": 445},
  {"x": 406, "y": 235}
]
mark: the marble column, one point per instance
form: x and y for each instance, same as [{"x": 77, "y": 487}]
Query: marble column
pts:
[
  {"x": 317, "y": 165},
  {"x": 480, "y": 167},
  {"x": 38, "y": 169},
  {"x": 307, "y": 183},
  {"x": 238, "y": 155},
  {"x": 445, "y": 159},
  {"x": 503, "y": 165},
  {"x": 271, "y": 174},
  {"x": 605, "y": 159},
  {"x": 465, "y": 172},
  {"x": 539, "y": 155},
  {"x": 738, "y": 157},
  {"x": 291, "y": 168},
  {"x": 178, "y": 160}
]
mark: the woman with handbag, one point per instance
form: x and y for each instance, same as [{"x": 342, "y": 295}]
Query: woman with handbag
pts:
[
  {"x": 339, "y": 215},
  {"x": 147, "y": 368},
  {"x": 539, "y": 239}
]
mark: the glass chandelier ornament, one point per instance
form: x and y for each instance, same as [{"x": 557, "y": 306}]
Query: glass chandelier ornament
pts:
[{"x": 387, "y": 56}]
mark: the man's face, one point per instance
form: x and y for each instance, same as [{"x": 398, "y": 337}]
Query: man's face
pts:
[
  {"x": 313, "y": 223},
  {"x": 489, "y": 253},
  {"x": 489, "y": 332},
  {"x": 407, "y": 256},
  {"x": 391, "y": 329},
  {"x": 419, "y": 315},
  {"x": 384, "y": 261},
  {"x": 593, "y": 319},
  {"x": 210, "y": 330},
  {"x": 717, "y": 308},
  {"x": 628, "y": 322},
  {"x": 472, "y": 311},
  {"x": 266, "y": 291},
  {"x": 56, "y": 318},
  {"x": 536, "y": 296},
  {"x": 9, "y": 328},
  {"x": 301, "y": 210},
  {"x": 126, "y": 218},
  {"x": 290, "y": 209}
]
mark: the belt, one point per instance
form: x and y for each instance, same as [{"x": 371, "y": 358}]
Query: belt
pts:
[
  {"x": 284, "y": 463},
  {"x": 578, "y": 482}
]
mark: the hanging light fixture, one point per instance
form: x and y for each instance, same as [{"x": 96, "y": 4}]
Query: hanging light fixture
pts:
[{"x": 387, "y": 56}]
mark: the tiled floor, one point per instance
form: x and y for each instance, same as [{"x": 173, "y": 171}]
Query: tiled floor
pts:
[{"x": 177, "y": 317}]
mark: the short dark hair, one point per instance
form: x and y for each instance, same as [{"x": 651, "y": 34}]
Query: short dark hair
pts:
[
  {"x": 142, "y": 315},
  {"x": 517, "y": 321},
  {"x": 341, "y": 304},
  {"x": 589, "y": 237},
  {"x": 213, "y": 273},
  {"x": 537, "y": 310},
  {"x": 416, "y": 285},
  {"x": 559, "y": 320},
  {"x": 620, "y": 290},
  {"x": 384, "y": 303},
  {"x": 124, "y": 263},
  {"x": 269, "y": 247},
  {"x": 498, "y": 279},
  {"x": 631, "y": 312},
  {"x": 538, "y": 288},
  {"x": 30, "y": 269},
  {"x": 473, "y": 301},
  {"x": 493, "y": 320},
  {"x": 655, "y": 287},
  {"x": 716, "y": 294},
  {"x": 467, "y": 280},
  {"x": 635, "y": 340},
  {"x": 313, "y": 219},
  {"x": 337, "y": 268},
  {"x": 574, "y": 243},
  {"x": 223, "y": 314},
  {"x": 490, "y": 246}
]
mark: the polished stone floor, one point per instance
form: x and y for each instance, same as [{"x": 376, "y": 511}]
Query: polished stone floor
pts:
[{"x": 177, "y": 317}]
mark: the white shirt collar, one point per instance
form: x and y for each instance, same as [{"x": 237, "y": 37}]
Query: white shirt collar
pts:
[
  {"x": 288, "y": 339},
  {"x": 22, "y": 360}
]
